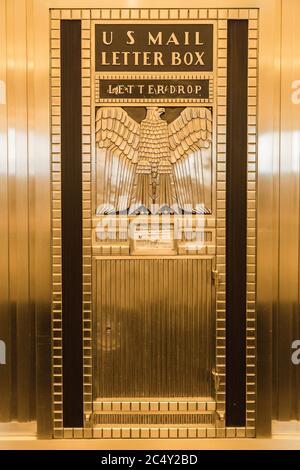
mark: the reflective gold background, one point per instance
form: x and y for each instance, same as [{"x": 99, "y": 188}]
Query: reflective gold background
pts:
[{"x": 25, "y": 206}]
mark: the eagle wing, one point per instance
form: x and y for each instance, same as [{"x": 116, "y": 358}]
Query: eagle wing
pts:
[
  {"x": 117, "y": 139},
  {"x": 190, "y": 137}
]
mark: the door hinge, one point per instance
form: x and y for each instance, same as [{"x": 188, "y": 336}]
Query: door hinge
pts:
[
  {"x": 215, "y": 277},
  {"x": 217, "y": 380}
]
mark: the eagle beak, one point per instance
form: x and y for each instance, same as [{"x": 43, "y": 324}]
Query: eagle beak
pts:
[{"x": 161, "y": 111}]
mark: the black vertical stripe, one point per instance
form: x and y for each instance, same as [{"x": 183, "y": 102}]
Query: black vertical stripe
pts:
[
  {"x": 236, "y": 225},
  {"x": 71, "y": 187}
]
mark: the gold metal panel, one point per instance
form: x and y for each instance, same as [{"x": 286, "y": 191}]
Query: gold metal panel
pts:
[
  {"x": 265, "y": 275},
  {"x": 152, "y": 338},
  {"x": 286, "y": 404},
  {"x": 17, "y": 268}
]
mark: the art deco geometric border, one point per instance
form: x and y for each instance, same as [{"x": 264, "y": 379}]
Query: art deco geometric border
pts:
[
  {"x": 221, "y": 15},
  {"x": 251, "y": 223},
  {"x": 55, "y": 93}
]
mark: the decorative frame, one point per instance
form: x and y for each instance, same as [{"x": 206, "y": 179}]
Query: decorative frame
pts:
[
  {"x": 132, "y": 102},
  {"x": 86, "y": 16}
]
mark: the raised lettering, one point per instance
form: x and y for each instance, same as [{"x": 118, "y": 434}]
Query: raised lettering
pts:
[
  {"x": 130, "y": 37},
  {"x": 155, "y": 40},
  {"x": 173, "y": 40},
  {"x": 104, "y": 38}
]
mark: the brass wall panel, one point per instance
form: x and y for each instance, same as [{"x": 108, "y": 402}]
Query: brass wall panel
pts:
[
  {"x": 17, "y": 319},
  {"x": 267, "y": 193},
  {"x": 4, "y": 260},
  {"x": 286, "y": 321},
  {"x": 25, "y": 221},
  {"x": 40, "y": 177}
]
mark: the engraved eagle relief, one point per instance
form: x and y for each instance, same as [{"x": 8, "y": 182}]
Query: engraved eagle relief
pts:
[{"x": 153, "y": 166}]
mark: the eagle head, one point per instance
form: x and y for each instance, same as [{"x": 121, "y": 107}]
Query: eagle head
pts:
[{"x": 154, "y": 112}]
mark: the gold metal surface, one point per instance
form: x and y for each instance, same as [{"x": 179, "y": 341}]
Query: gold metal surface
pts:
[
  {"x": 31, "y": 174},
  {"x": 154, "y": 327},
  {"x": 267, "y": 209},
  {"x": 286, "y": 318},
  {"x": 17, "y": 315}
]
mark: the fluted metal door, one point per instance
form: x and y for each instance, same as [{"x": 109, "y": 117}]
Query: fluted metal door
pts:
[{"x": 154, "y": 328}]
